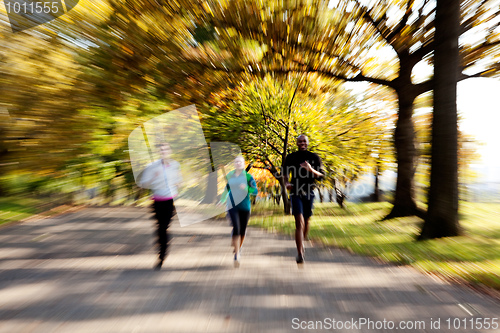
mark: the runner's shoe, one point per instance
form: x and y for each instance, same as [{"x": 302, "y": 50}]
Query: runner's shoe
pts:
[
  {"x": 237, "y": 260},
  {"x": 158, "y": 265},
  {"x": 300, "y": 259}
]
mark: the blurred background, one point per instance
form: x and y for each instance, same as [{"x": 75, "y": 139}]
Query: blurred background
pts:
[
  {"x": 73, "y": 89},
  {"x": 349, "y": 74}
]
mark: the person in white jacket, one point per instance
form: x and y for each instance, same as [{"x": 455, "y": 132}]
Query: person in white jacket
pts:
[{"x": 162, "y": 177}]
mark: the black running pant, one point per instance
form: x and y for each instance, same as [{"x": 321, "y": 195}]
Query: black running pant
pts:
[
  {"x": 239, "y": 220},
  {"x": 164, "y": 210}
]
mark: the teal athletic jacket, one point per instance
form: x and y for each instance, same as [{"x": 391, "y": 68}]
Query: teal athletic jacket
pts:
[{"x": 239, "y": 197}]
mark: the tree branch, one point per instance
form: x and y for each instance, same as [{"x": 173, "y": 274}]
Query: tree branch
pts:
[
  {"x": 424, "y": 87},
  {"x": 423, "y": 51},
  {"x": 483, "y": 47},
  {"x": 276, "y": 133},
  {"x": 366, "y": 15},
  {"x": 358, "y": 78},
  {"x": 397, "y": 30},
  {"x": 274, "y": 148},
  {"x": 353, "y": 126},
  {"x": 486, "y": 73},
  {"x": 469, "y": 23}
]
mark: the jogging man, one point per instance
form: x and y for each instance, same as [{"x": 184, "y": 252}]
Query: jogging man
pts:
[
  {"x": 162, "y": 176},
  {"x": 305, "y": 168}
]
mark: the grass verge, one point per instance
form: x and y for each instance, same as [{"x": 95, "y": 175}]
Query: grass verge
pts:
[
  {"x": 18, "y": 208},
  {"x": 473, "y": 258}
]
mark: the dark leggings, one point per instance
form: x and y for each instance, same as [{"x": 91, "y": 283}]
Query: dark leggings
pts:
[
  {"x": 164, "y": 210},
  {"x": 239, "y": 220}
]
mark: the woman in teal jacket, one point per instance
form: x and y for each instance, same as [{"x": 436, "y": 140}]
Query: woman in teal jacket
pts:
[{"x": 240, "y": 186}]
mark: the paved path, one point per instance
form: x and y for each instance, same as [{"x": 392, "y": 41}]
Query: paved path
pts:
[{"x": 91, "y": 271}]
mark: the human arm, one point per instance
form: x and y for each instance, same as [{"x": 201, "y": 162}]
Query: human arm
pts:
[
  {"x": 146, "y": 176},
  {"x": 225, "y": 194},
  {"x": 309, "y": 168},
  {"x": 227, "y": 189},
  {"x": 252, "y": 186}
]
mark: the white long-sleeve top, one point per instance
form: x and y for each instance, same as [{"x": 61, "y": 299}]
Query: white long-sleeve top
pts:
[{"x": 161, "y": 178}]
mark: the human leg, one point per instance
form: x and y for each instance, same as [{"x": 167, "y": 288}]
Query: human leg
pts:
[
  {"x": 306, "y": 228},
  {"x": 235, "y": 243},
  {"x": 297, "y": 211},
  {"x": 244, "y": 216},
  {"x": 235, "y": 221},
  {"x": 307, "y": 205},
  {"x": 163, "y": 212},
  {"x": 299, "y": 233}
]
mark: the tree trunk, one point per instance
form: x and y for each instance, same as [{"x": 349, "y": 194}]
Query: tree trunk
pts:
[
  {"x": 320, "y": 194},
  {"x": 404, "y": 141},
  {"x": 376, "y": 191},
  {"x": 3, "y": 155},
  {"x": 339, "y": 195},
  {"x": 211, "y": 190},
  {"x": 284, "y": 196},
  {"x": 442, "y": 214},
  {"x": 277, "y": 195}
]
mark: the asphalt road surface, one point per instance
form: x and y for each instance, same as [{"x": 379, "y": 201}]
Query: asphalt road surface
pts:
[{"x": 92, "y": 271}]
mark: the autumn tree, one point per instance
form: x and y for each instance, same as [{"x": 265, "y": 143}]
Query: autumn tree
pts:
[
  {"x": 265, "y": 116},
  {"x": 379, "y": 42},
  {"x": 40, "y": 121},
  {"x": 182, "y": 52},
  {"x": 262, "y": 119},
  {"x": 442, "y": 215}
]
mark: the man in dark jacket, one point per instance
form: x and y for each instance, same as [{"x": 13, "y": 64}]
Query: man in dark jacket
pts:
[{"x": 305, "y": 168}]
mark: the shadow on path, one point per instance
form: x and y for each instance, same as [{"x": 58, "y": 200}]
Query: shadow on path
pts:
[{"x": 91, "y": 271}]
